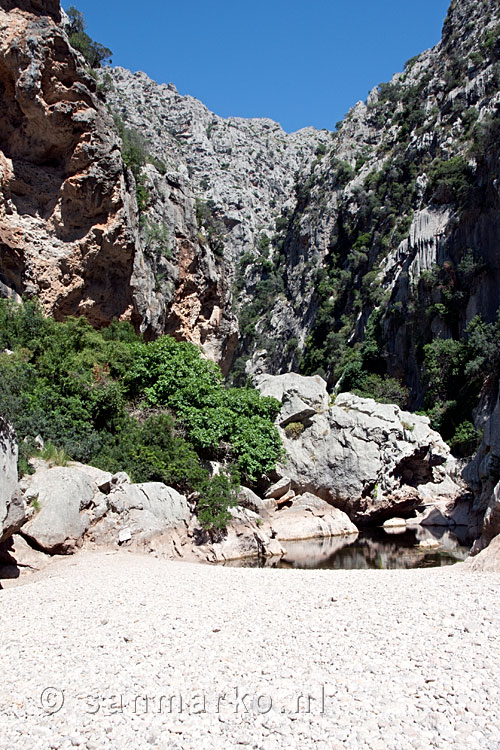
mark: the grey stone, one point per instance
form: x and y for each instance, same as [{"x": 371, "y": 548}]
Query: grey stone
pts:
[
  {"x": 306, "y": 392},
  {"x": 392, "y": 523},
  {"x": 371, "y": 460},
  {"x": 280, "y": 488},
  {"x": 146, "y": 509},
  {"x": 62, "y": 497},
  {"x": 309, "y": 517},
  {"x": 102, "y": 479},
  {"x": 12, "y": 506},
  {"x": 488, "y": 559},
  {"x": 248, "y": 535},
  {"x": 120, "y": 478},
  {"x": 248, "y": 499}
]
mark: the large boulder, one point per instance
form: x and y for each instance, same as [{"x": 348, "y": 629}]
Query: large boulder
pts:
[
  {"x": 62, "y": 498},
  {"x": 488, "y": 560},
  {"x": 371, "y": 460},
  {"x": 138, "y": 512},
  {"x": 12, "y": 505},
  {"x": 79, "y": 503},
  {"x": 301, "y": 397},
  {"x": 247, "y": 498},
  {"x": 309, "y": 517},
  {"x": 18, "y": 558},
  {"x": 247, "y": 536}
]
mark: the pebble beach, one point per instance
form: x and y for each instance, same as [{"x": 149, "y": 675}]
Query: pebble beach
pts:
[{"x": 123, "y": 650}]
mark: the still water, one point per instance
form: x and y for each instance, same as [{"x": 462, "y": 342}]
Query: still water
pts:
[{"x": 375, "y": 549}]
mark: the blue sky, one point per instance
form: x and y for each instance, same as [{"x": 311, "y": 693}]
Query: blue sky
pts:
[{"x": 300, "y": 63}]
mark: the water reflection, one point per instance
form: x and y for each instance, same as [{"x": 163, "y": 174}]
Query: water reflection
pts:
[{"x": 415, "y": 548}]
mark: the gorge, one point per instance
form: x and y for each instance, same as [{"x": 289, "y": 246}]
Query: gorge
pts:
[{"x": 367, "y": 256}]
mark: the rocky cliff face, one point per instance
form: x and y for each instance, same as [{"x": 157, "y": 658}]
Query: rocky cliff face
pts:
[
  {"x": 74, "y": 234},
  {"x": 215, "y": 190},
  {"x": 66, "y": 216},
  {"x": 372, "y": 461},
  {"x": 273, "y": 251},
  {"x": 398, "y": 219},
  {"x": 306, "y": 239},
  {"x": 276, "y": 248},
  {"x": 13, "y": 511}
]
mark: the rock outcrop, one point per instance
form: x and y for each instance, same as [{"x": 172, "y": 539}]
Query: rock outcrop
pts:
[
  {"x": 138, "y": 512},
  {"x": 373, "y": 222},
  {"x": 12, "y": 507},
  {"x": 488, "y": 559},
  {"x": 301, "y": 397},
  {"x": 483, "y": 475},
  {"x": 370, "y": 460},
  {"x": 309, "y": 517},
  {"x": 77, "y": 504},
  {"x": 248, "y": 535},
  {"x": 62, "y": 499},
  {"x": 215, "y": 190},
  {"x": 80, "y": 506},
  {"x": 67, "y": 218}
]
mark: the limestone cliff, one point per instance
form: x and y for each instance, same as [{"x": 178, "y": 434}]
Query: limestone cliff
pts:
[
  {"x": 273, "y": 251},
  {"x": 66, "y": 215},
  {"x": 398, "y": 220},
  {"x": 215, "y": 190},
  {"x": 72, "y": 231}
]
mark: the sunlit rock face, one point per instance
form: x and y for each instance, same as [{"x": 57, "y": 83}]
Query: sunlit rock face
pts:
[{"x": 66, "y": 215}]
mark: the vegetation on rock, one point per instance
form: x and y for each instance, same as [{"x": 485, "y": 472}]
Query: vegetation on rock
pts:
[
  {"x": 155, "y": 410},
  {"x": 94, "y": 53}
]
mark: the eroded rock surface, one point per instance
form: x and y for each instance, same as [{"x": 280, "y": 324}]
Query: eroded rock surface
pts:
[
  {"x": 371, "y": 460},
  {"x": 488, "y": 559},
  {"x": 309, "y": 517},
  {"x": 67, "y": 218},
  {"x": 144, "y": 510},
  {"x": 62, "y": 499}
]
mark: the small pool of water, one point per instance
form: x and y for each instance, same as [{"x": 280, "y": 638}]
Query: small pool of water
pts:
[{"x": 399, "y": 548}]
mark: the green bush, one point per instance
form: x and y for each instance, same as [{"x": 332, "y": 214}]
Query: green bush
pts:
[
  {"x": 216, "y": 497},
  {"x": 450, "y": 180},
  {"x": 383, "y": 389},
  {"x": 94, "y": 53},
  {"x": 234, "y": 421},
  {"x": 466, "y": 440},
  {"x": 454, "y": 372},
  {"x": 155, "y": 410}
]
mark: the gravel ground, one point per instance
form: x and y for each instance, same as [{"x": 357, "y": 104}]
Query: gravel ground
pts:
[{"x": 100, "y": 650}]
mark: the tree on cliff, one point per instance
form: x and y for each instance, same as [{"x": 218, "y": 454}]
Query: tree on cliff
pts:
[{"x": 94, "y": 53}]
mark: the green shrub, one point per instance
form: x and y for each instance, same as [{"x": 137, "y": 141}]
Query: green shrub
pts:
[
  {"x": 466, "y": 440},
  {"x": 54, "y": 456},
  {"x": 155, "y": 410},
  {"x": 450, "y": 180},
  {"x": 173, "y": 375},
  {"x": 454, "y": 372},
  {"x": 216, "y": 497},
  {"x": 94, "y": 53},
  {"x": 383, "y": 389}
]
